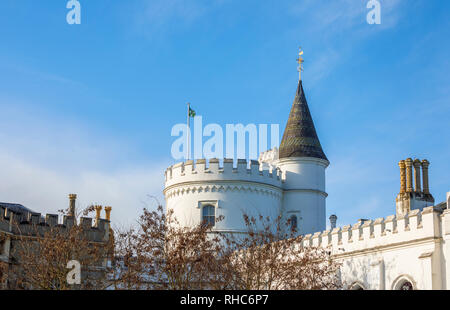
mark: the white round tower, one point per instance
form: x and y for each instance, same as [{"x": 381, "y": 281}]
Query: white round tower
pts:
[
  {"x": 204, "y": 193},
  {"x": 303, "y": 163}
]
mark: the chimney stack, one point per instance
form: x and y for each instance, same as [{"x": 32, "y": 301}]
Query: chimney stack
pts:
[
  {"x": 333, "y": 220},
  {"x": 417, "y": 197},
  {"x": 72, "y": 200},
  {"x": 409, "y": 184}
]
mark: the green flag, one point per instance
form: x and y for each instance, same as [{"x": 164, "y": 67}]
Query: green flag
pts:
[{"x": 191, "y": 112}]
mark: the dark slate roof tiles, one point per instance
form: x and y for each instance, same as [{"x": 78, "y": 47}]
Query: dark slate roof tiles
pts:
[{"x": 300, "y": 137}]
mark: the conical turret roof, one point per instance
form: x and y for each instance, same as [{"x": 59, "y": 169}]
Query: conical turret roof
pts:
[{"x": 300, "y": 137}]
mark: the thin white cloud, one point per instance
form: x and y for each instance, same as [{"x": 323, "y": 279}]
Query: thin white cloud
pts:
[
  {"x": 43, "y": 159},
  {"x": 161, "y": 16},
  {"x": 328, "y": 21},
  {"x": 321, "y": 65},
  {"x": 360, "y": 186},
  {"x": 45, "y": 189},
  {"x": 41, "y": 75},
  {"x": 338, "y": 15}
]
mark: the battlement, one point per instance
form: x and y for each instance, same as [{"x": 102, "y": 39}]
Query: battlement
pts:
[
  {"x": 381, "y": 232},
  {"x": 239, "y": 170},
  {"x": 30, "y": 223}
]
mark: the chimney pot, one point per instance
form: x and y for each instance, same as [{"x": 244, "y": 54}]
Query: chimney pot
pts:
[
  {"x": 333, "y": 220},
  {"x": 426, "y": 187},
  {"x": 409, "y": 184},
  {"x": 417, "y": 165},
  {"x": 98, "y": 209},
  {"x": 402, "y": 166},
  {"x": 108, "y": 213},
  {"x": 72, "y": 200}
]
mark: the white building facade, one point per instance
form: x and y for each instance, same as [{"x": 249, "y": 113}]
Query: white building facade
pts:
[{"x": 408, "y": 250}]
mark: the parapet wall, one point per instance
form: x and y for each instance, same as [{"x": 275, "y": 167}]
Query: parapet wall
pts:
[
  {"x": 203, "y": 171},
  {"x": 33, "y": 223},
  {"x": 382, "y": 232}
]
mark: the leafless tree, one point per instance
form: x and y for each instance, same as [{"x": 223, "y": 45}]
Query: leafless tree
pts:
[
  {"x": 39, "y": 258},
  {"x": 269, "y": 255},
  {"x": 161, "y": 254}
]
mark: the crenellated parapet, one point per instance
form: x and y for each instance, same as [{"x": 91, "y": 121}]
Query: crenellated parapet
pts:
[
  {"x": 14, "y": 223},
  {"x": 203, "y": 171},
  {"x": 374, "y": 235},
  {"x": 232, "y": 188},
  {"x": 221, "y": 188}
]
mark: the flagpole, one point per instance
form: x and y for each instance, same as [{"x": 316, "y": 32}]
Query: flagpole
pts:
[{"x": 188, "y": 131}]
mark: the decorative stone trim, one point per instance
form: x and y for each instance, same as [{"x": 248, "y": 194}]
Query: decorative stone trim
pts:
[{"x": 193, "y": 188}]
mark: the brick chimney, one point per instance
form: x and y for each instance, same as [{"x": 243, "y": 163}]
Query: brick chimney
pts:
[{"x": 417, "y": 196}]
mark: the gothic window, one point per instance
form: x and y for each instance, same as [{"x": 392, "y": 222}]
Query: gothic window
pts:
[
  {"x": 209, "y": 215},
  {"x": 357, "y": 287},
  {"x": 293, "y": 223},
  {"x": 404, "y": 284}
]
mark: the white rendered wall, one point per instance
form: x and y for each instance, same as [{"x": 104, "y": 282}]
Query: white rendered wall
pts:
[
  {"x": 380, "y": 254},
  {"x": 304, "y": 191}
]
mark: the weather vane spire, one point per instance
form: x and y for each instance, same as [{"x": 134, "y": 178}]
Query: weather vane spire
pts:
[{"x": 300, "y": 62}]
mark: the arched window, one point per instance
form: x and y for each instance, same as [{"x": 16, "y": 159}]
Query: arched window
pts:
[
  {"x": 293, "y": 223},
  {"x": 357, "y": 287},
  {"x": 404, "y": 283},
  {"x": 209, "y": 215}
]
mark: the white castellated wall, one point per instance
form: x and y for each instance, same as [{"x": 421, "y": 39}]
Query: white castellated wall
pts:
[
  {"x": 231, "y": 191},
  {"x": 386, "y": 252},
  {"x": 304, "y": 191}
]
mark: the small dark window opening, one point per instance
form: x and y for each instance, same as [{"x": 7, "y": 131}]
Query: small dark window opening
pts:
[
  {"x": 406, "y": 286},
  {"x": 209, "y": 215},
  {"x": 293, "y": 223}
]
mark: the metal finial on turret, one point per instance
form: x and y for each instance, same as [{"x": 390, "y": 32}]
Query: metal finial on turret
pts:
[{"x": 300, "y": 62}]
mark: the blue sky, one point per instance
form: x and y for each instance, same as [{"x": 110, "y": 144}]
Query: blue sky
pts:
[{"x": 89, "y": 108}]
